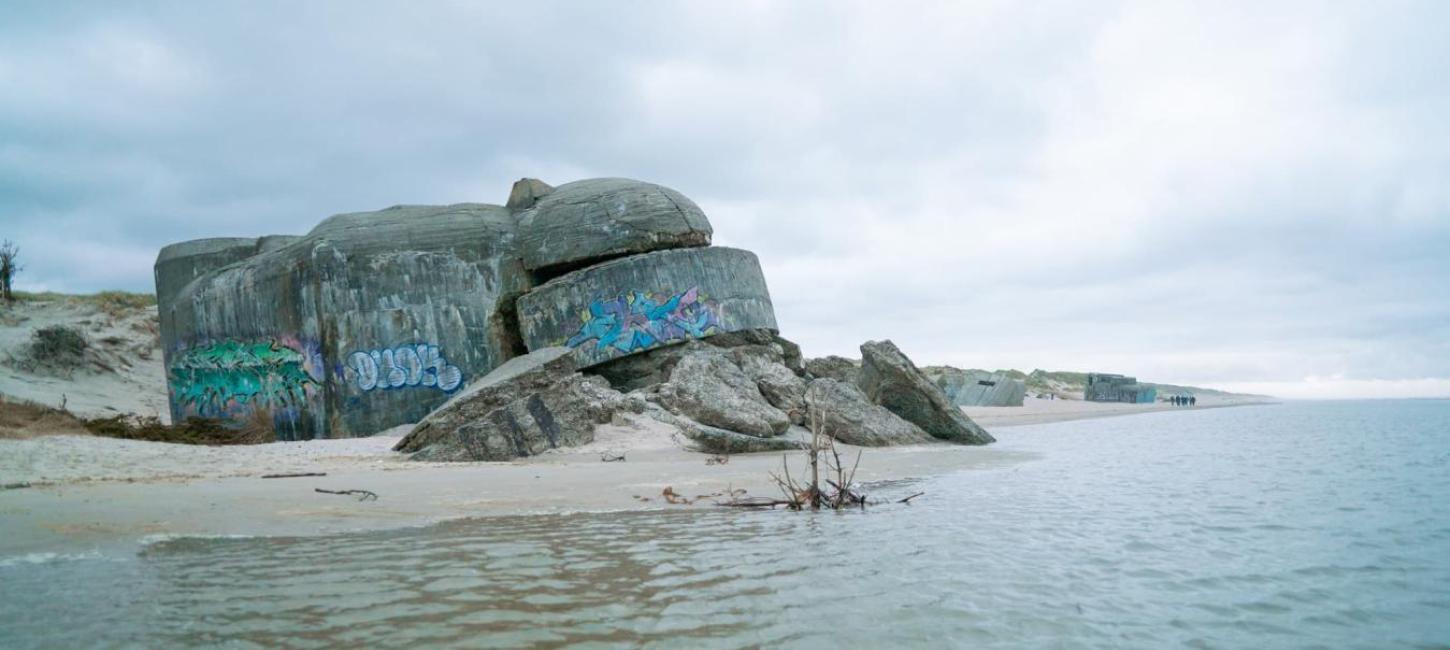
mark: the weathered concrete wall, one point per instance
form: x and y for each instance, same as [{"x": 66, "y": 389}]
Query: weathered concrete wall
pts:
[
  {"x": 240, "y": 344},
  {"x": 582, "y": 222},
  {"x": 178, "y": 264},
  {"x": 374, "y": 319},
  {"x": 641, "y": 302},
  {"x": 417, "y": 301},
  {"x": 369, "y": 321}
]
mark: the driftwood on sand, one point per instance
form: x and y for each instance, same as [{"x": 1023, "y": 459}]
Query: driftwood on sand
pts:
[{"x": 362, "y": 495}]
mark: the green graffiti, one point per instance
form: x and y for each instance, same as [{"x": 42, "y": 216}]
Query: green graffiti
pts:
[{"x": 210, "y": 379}]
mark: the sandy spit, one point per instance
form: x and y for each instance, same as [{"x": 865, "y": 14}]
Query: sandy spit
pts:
[{"x": 100, "y": 494}]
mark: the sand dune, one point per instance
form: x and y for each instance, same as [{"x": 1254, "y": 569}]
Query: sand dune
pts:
[{"x": 122, "y": 371}]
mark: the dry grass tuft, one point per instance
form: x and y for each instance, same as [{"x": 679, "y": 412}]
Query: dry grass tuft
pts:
[
  {"x": 117, "y": 304},
  {"x": 20, "y": 420},
  {"x": 192, "y": 431},
  {"x": 113, "y": 303}
]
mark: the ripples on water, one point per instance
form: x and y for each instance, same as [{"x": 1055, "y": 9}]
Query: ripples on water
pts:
[{"x": 1285, "y": 526}]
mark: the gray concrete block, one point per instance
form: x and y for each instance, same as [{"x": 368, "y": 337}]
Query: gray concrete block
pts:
[
  {"x": 646, "y": 301},
  {"x": 977, "y": 387},
  {"x": 526, "y": 192},
  {"x": 180, "y": 263},
  {"x": 594, "y": 220},
  {"x": 371, "y": 320}
]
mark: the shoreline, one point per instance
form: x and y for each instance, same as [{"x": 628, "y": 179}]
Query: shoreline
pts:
[
  {"x": 105, "y": 495},
  {"x": 1040, "y": 411}
]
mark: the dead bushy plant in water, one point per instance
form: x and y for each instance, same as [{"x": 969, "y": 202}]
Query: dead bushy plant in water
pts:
[{"x": 809, "y": 493}]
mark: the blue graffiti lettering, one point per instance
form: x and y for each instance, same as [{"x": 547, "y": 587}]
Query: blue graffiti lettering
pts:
[{"x": 402, "y": 367}]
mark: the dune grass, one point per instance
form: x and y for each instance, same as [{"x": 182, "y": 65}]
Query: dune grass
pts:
[{"x": 21, "y": 419}]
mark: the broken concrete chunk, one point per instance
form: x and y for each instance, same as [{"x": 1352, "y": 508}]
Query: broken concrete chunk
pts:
[
  {"x": 529, "y": 405},
  {"x": 719, "y": 441},
  {"x": 526, "y": 192},
  {"x": 706, "y": 386},
  {"x": 834, "y": 367},
  {"x": 781, "y": 387},
  {"x": 842, "y": 410},
  {"x": 890, "y": 379}
]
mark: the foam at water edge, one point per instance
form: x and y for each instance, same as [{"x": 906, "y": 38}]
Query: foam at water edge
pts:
[{"x": 46, "y": 558}]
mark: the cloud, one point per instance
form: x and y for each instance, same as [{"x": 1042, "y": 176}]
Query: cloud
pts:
[{"x": 1192, "y": 193}]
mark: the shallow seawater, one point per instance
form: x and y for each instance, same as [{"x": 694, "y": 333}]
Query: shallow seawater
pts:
[{"x": 1300, "y": 525}]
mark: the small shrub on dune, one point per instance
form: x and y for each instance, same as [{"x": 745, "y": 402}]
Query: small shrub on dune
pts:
[{"x": 57, "y": 349}]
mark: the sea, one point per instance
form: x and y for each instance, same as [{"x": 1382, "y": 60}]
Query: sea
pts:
[{"x": 1296, "y": 525}]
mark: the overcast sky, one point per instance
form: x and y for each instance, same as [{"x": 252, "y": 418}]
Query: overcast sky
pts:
[{"x": 1251, "y": 197}]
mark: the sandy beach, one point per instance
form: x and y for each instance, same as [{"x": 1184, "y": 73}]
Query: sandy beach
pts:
[
  {"x": 1043, "y": 411},
  {"x": 87, "y": 493}
]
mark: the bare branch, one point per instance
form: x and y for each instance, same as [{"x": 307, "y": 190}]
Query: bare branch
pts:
[{"x": 362, "y": 495}]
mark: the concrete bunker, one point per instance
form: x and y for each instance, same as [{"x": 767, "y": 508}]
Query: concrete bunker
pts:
[
  {"x": 1107, "y": 387},
  {"x": 374, "y": 319},
  {"x": 978, "y": 387}
]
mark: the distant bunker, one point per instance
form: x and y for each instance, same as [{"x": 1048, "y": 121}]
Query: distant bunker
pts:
[
  {"x": 978, "y": 387},
  {"x": 1105, "y": 387},
  {"x": 373, "y": 319}
]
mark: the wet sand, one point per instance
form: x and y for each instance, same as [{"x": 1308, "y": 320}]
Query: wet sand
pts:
[
  {"x": 90, "y": 493},
  {"x": 1043, "y": 411}
]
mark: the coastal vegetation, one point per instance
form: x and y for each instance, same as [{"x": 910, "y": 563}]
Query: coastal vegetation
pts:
[
  {"x": 55, "y": 349},
  {"x": 9, "y": 267},
  {"x": 112, "y": 303},
  {"x": 21, "y": 419}
]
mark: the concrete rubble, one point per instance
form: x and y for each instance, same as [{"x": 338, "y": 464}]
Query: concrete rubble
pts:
[
  {"x": 846, "y": 413},
  {"x": 530, "y": 404}
]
